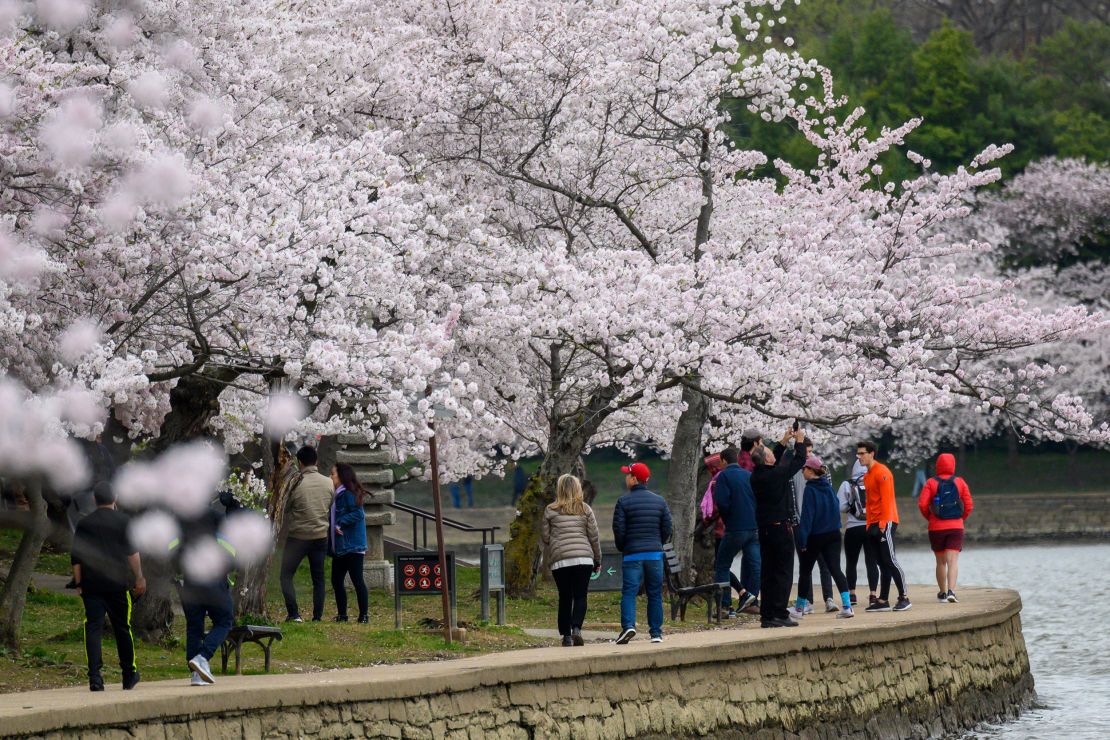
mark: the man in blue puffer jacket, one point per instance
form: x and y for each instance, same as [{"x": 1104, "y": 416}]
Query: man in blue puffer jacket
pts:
[{"x": 641, "y": 524}]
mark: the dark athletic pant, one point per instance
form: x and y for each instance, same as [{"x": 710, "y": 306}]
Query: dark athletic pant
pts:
[
  {"x": 881, "y": 544},
  {"x": 855, "y": 539},
  {"x": 117, "y": 606},
  {"x": 776, "y": 550},
  {"x": 805, "y": 585},
  {"x": 214, "y": 603},
  {"x": 821, "y": 548},
  {"x": 296, "y": 551},
  {"x": 573, "y": 583},
  {"x": 341, "y": 567}
]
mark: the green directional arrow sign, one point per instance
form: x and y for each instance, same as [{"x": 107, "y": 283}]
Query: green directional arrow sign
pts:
[
  {"x": 611, "y": 571},
  {"x": 609, "y": 576}
]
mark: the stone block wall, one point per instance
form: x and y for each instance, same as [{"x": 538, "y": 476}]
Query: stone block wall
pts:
[{"x": 908, "y": 679}]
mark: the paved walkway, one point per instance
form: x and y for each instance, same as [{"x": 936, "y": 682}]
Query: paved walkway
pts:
[{"x": 45, "y": 711}]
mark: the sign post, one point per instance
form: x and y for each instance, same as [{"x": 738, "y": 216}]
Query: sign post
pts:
[
  {"x": 421, "y": 574},
  {"x": 611, "y": 577},
  {"x": 448, "y": 613},
  {"x": 493, "y": 579}
]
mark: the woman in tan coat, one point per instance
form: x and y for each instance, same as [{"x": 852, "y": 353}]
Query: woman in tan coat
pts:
[{"x": 573, "y": 552}]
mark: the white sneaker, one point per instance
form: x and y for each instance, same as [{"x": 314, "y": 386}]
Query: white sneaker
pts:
[
  {"x": 658, "y": 638},
  {"x": 196, "y": 680},
  {"x": 796, "y": 613},
  {"x": 845, "y": 613},
  {"x": 199, "y": 664},
  {"x": 830, "y": 606}
]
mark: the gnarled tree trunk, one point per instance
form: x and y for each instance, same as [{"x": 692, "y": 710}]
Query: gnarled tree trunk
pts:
[
  {"x": 681, "y": 492},
  {"x": 193, "y": 403},
  {"x": 13, "y": 595}
]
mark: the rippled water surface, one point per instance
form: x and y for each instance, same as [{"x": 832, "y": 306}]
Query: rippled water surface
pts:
[{"x": 1065, "y": 592}]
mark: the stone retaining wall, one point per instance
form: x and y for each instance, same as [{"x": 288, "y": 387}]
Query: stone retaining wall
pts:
[{"x": 879, "y": 676}]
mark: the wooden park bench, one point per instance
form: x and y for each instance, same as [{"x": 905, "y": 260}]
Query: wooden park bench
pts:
[
  {"x": 262, "y": 636},
  {"x": 681, "y": 595}
]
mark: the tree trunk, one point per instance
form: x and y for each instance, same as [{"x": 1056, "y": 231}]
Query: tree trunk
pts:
[
  {"x": 681, "y": 491},
  {"x": 1011, "y": 447},
  {"x": 251, "y": 594},
  {"x": 193, "y": 403},
  {"x": 13, "y": 595}
]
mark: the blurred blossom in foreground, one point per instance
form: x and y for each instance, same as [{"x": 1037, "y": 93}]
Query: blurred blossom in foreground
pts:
[
  {"x": 284, "y": 413},
  {"x": 184, "y": 479},
  {"x": 152, "y": 533},
  {"x": 33, "y": 442},
  {"x": 78, "y": 340},
  {"x": 205, "y": 561},
  {"x": 250, "y": 534}
]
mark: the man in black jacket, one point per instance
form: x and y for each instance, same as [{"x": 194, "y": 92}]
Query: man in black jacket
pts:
[
  {"x": 641, "y": 524},
  {"x": 774, "y": 512}
]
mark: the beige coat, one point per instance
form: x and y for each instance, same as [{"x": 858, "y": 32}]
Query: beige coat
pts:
[
  {"x": 569, "y": 536},
  {"x": 309, "y": 508}
]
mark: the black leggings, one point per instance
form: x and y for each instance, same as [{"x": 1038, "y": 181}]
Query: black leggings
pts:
[
  {"x": 573, "y": 583},
  {"x": 805, "y": 586},
  {"x": 881, "y": 544},
  {"x": 341, "y": 565},
  {"x": 855, "y": 540},
  {"x": 826, "y": 547}
]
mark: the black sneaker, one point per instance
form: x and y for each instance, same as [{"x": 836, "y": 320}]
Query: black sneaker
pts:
[
  {"x": 96, "y": 683},
  {"x": 626, "y": 635},
  {"x": 942, "y": 597},
  {"x": 567, "y": 642},
  {"x": 730, "y": 614},
  {"x": 298, "y": 620},
  {"x": 747, "y": 600},
  {"x": 340, "y": 618},
  {"x": 853, "y": 600},
  {"x": 872, "y": 599},
  {"x": 363, "y": 619},
  {"x": 878, "y": 605},
  {"x": 576, "y": 637},
  {"x": 951, "y": 597},
  {"x": 778, "y": 622},
  {"x": 130, "y": 681},
  {"x": 903, "y": 604}
]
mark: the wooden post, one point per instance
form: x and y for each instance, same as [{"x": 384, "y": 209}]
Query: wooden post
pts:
[{"x": 439, "y": 535}]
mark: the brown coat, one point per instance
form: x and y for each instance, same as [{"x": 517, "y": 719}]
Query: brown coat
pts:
[
  {"x": 309, "y": 509},
  {"x": 569, "y": 536}
]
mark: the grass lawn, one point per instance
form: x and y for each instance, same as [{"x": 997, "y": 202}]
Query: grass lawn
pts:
[{"x": 54, "y": 654}]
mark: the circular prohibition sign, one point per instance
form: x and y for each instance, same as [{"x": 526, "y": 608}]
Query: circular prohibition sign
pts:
[
  {"x": 410, "y": 569},
  {"x": 410, "y": 584}
]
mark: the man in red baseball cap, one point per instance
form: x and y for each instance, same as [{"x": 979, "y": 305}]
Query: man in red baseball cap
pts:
[{"x": 641, "y": 524}]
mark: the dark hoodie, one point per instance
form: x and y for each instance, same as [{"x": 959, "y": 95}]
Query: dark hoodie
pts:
[
  {"x": 946, "y": 468},
  {"x": 820, "y": 510}
]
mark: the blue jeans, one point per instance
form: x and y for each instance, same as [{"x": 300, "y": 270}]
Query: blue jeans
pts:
[
  {"x": 746, "y": 541},
  {"x": 650, "y": 572},
  {"x": 218, "y": 607}
]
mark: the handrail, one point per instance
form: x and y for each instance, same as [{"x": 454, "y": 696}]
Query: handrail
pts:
[{"x": 427, "y": 516}]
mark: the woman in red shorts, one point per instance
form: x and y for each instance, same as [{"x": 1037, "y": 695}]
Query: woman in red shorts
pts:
[{"x": 946, "y": 502}]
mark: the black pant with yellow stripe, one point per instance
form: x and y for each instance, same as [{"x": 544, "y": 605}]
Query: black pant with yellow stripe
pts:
[{"x": 117, "y": 606}]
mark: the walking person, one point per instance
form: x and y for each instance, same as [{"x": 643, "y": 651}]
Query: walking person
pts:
[
  {"x": 102, "y": 558},
  {"x": 641, "y": 524},
  {"x": 347, "y": 540},
  {"x": 572, "y": 548},
  {"x": 308, "y": 513},
  {"x": 774, "y": 512},
  {"x": 945, "y": 501},
  {"x": 853, "y": 502},
  {"x": 819, "y": 535},
  {"x": 882, "y": 524},
  {"x": 735, "y": 503},
  {"x": 205, "y": 591},
  {"x": 805, "y": 588}
]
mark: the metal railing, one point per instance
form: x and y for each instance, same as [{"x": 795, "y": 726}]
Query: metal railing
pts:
[{"x": 421, "y": 517}]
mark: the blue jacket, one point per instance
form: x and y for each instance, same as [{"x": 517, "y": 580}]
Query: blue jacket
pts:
[
  {"x": 349, "y": 517},
  {"x": 641, "y": 521},
  {"x": 820, "y": 510},
  {"x": 734, "y": 498}
]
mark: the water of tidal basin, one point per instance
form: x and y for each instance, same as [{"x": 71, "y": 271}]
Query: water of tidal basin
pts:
[{"x": 1065, "y": 595}]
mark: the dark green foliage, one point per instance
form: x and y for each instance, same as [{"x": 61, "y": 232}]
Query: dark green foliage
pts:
[{"x": 1052, "y": 102}]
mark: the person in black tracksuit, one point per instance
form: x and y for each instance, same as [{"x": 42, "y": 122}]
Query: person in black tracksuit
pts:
[
  {"x": 102, "y": 558},
  {"x": 774, "y": 514}
]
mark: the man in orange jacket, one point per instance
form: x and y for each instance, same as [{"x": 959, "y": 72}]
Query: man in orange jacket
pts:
[
  {"x": 882, "y": 522},
  {"x": 946, "y": 502}
]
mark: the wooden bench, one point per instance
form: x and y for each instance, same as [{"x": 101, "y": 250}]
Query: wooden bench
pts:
[
  {"x": 262, "y": 636},
  {"x": 681, "y": 595}
]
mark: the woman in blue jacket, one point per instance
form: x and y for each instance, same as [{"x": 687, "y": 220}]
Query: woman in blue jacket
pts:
[
  {"x": 819, "y": 534},
  {"x": 347, "y": 540}
]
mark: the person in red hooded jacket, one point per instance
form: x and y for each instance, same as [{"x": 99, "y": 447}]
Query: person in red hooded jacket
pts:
[{"x": 946, "y": 522}]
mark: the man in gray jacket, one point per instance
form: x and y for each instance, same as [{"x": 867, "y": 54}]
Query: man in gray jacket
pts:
[{"x": 307, "y": 513}]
